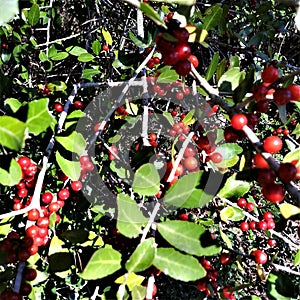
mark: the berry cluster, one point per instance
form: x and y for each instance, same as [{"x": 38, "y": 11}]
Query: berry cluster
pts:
[
  {"x": 281, "y": 95},
  {"x": 175, "y": 49}
]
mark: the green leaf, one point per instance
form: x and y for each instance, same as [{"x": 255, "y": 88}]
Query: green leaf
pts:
[
  {"x": 297, "y": 259},
  {"x": 74, "y": 142},
  {"x": 89, "y": 73},
  {"x": 229, "y": 152},
  {"x": 8, "y": 9},
  {"x": 60, "y": 261},
  {"x": 12, "y": 177},
  {"x": 233, "y": 77},
  {"x": 85, "y": 57},
  {"x": 185, "y": 236},
  {"x": 288, "y": 210},
  {"x": 245, "y": 86},
  {"x": 212, "y": 67},
  {"x": 140, "y": 42},
  {"x": 43, "y": 57},
  {"x": 189, "y": 118},
  {"x": 75, "y": 50},
  {"x": 231, "y": 213},
  {"x": 138, "y": 292},
  {"x": 75, "y": 236},
  {"x": 296, "y": 131},
  {"x": 131, "y": 280},
  {"x": 70, "y": 168},
  {"x": 107, "y": 37},
  {"x": 226, "y": 239},
  {"x": 234, "y": 62},
  {"x": 142, "y": 257},
  {"x": 177, "y": 265},
  {"x": 103, "y": 262},
  {"x": 280, "y": 286},
  {"x": 38, "y": 117},
  {"x": 146, "y": 180},
  {"x": 60, "y": 56},
  {"x": 234, "y": 188},
  {"x": 180, "y": 2},
  {"x": 130, "y": 218},
  {"x": 168, "y": 76},
  {"x": 185, "y": 193},
  {"x": 152, "y": 14},
  {"x": 13, "y": 103},
  {"x": 34, "y": 15},
  {"x": 57, "y": 86},
  {"x": 293, "y": 155},
  {"x": 221, "y": 69},
  {"x": 96, "y": 47},
  {"x": 213, "y": 16},
  {"x": 169, "y": 117},
  {"x": 11, "y": 132}
]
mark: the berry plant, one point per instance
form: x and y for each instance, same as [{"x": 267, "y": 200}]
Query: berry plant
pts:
[{"x": 149, "y": 149}]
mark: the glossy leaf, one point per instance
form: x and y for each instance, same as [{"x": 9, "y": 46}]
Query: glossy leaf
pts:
[
  {"x": 230, "y": 213},
  {"x": 234, "y": 188},
  {"x": 213, "y": 16},
  {"x": 151, "y": 13},
  {"x": 212, "y": 67},
  {"x": 177, "y": 265},
  {"x": 61, "y": 261},
  {"x": 103, "y": 262},
  {"x": 107, "y": 37},
  {"x": 130, "y": 218},
  {"x": 8, "y": 9},
  {"x": 288, "y": 210},
  {"x": 297, "y": 259},
  {"x": 74, "y": 142},
  {"x": 244, "y": 87},
  {"x": 293, "y": 155},
  {"x": 85, "y": 57},
  {"x": 75, "y": 235},
  {"x": 142, "y": 257},
  {"x": 189, "y": 118},
  {"x": 146, "y": 180},
  {"x": 226, "y": 239},
  {"x": 96, "y": 47},
  {"x": 139, "y": 42},
  {"x": 60, "y": 56},
  {"x": 38, "y": 117},
  {"x": 138, "y": 292},
  {"x": 185, "y": 236},
  {"x": 131, "y": 280},
  {"x": 168, "y": 76},
  {"x": 13, "y": 176},
  {"x": 233, "y": 77},
  {"x": 76, "y": 50},
  {"x": 34, "y": 14},
  {"x": 70, "y": 168},
  {"x": 11, "y": 132},
  {"x": 229, "y": 152},
  {"x": 185, "y": 193},
  {"x": 89, "y": 73},
  {"x": 13, "y": 103}
]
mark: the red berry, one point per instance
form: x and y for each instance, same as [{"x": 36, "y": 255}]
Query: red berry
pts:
[
  {"x": 24, "y": 162},
  {"x": 253, "y": 225},
  {"x": 184, "y": 51},
  {"x": 170, "y": 58},
  {"x": 287, "y": 172},
  {"x": 260, "y": 256},
  {"x": 250, "y": 206},
  {"x": 189, "y": 151},
  {"x": 269, "y": 74},
  {"x": 242, "y": 202},
  {"x": 216, "y": 157},
  {"x": 273, "y": 192},
  {"x": 244, "y": 226},
  {"x": 78, "y": 105},
  {"x": 194, "y": 60},
  {"x": 282, "y": 96},
  {"x": 33, "y": 214},
  {"x": 202, "y": 284},
  {"x": 63, "y": 194},
  {"x": 105, "y": 48},
  {"x": 156, "y": 60},
  {"x": 181, "y": 34},
  {"x": 183, "y": 217},
  {"x": 295, "y": 91},
  {"x": 272, "y": 144},
  {"x": 262, "y": 106},
  {"x": 190, "y": 163},
  {"x": 20, "y": 185},
  {"x": 267, "y": 216},
  {"x": 271, "y": 224},
  {"x": 29, "y": 274},
  {"x": 76, "y": 185},
  {"x": 47, "y": 197},
  {"x": 260, "y": 162},
  {"x": 58, "y": 107},
  {"x": 230, "y": 135},
  {"x": 271, "y": 242},
  {"x": 43, "y": 222},
  {"x": 265, "y": 176},
  {"x": 179, "y": 95},
  {"x": 238, "y": 121},
  {"x": 225, "y": 259},
  {"x": 22, "y": 193},
  {"x": 25, "y": 289},
  {"x": 32, "y": 231},
  {"x": 183, "y": 67},
  {"x": 262, "y": 225},
  {"x": 23, "y": 255},
  {"x": 260, "y": 92}
]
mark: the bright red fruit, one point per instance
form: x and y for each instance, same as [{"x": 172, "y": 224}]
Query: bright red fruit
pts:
[
  {"x": 272, "y": 144},
  {"x": 244, "y": 226},
  {"x": 269, "y": 74},
  {"x": 267, "y": 216},
  {"x": 253, "y": 225},
  {"x": 271, "y": 242},
  {"x": 260, "y": 162},
  {"x": 260, "y": 256},
  {"x": 24, "y": 162},
  {"x": 238, "y": 121},
  {"x": 183, "y": 67},
  {"x": 242, "y": 202},
  {"x": 43, "y": 222},
  {"x": 273, "y": 192},
  {"x": 63, "y": 194},
  {"x": 33, "y": 214},
  {"x": 58, "y": 107},
  {"x": 295, "y": 91},
  {"x": 47, "y": 197},
  {"x": 184, "y": 51},
  {"x": 76, "y": 185},
  {"x": 194, "y": 60},
  {"x": 260, "y": 92},
  {"x": 190, "y": 163},
  {"x": 250, "y": 206},
  {"x": 78, "y": 104},
  {"x": 183, "y": 217},
  {"x": 216, "y": 157},
  {"x": 262, "y": 225},
  {"x": 225, "y": 259}
]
